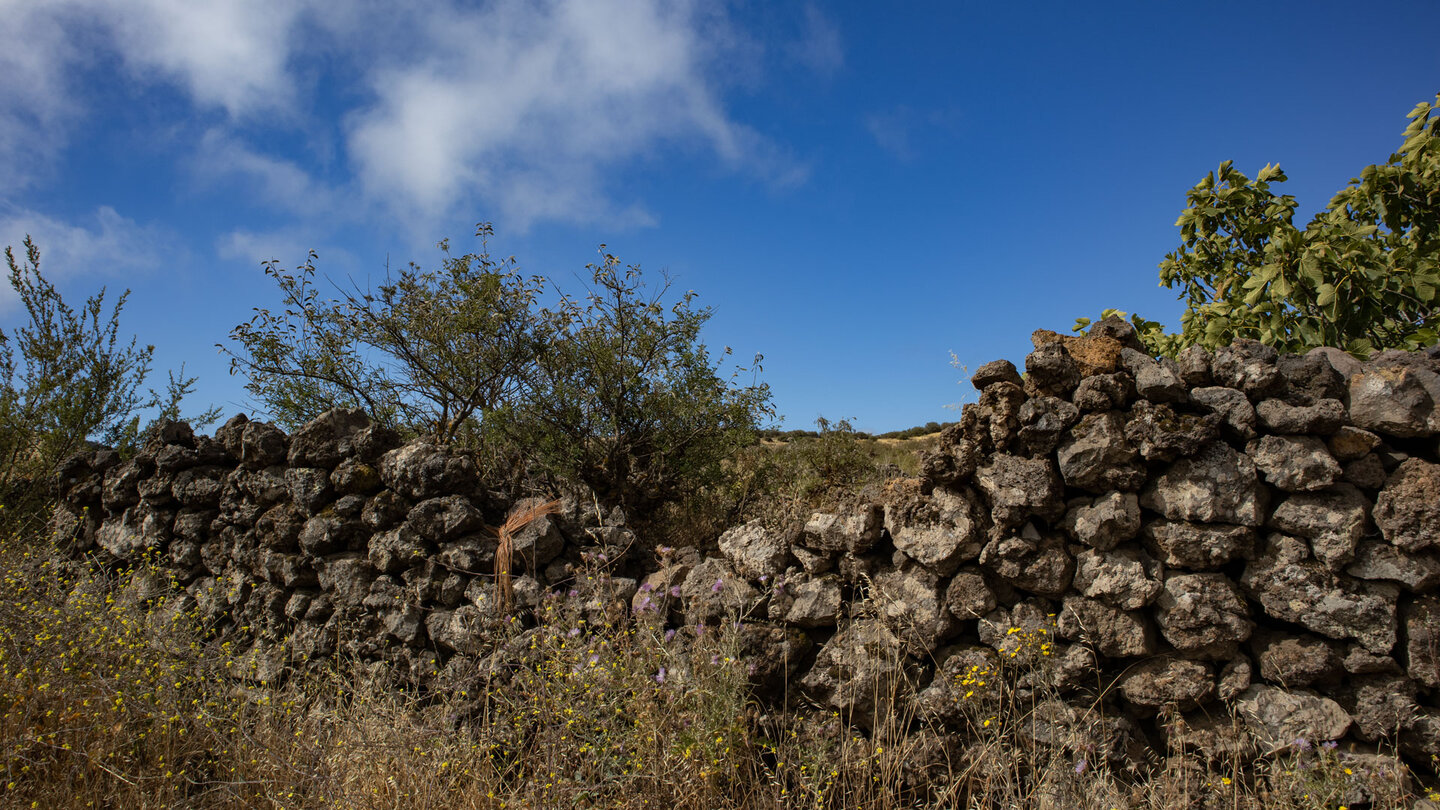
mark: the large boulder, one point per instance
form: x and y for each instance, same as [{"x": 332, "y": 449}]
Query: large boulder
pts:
[
  {"x": 940, "y": 531},
  {"x": 1198, "y": 546},
  {"x": 420, "y": 470},
  {"x": 1294, "y": 463},
  {"x": 1408, "y": 509},
  {"x": 1395, "y": 401},
  {"x": 1112, "y": 632},
  {"x": 1203, "y": 615},
  {"x": 1333, "y": 521},
  {"x": 1031, "y": 560},
  {"x": 1127, "y": 578},
  {"x": 1160, "y": 682},
  {"x": 1096, "y": 456},
  {"x": 861, "y": 673},
  {"x": 1018, "y": 487},
  {"x": 1292, "y": 586},
  {"x": 1280, "y": 717},
  {"x": 1104, "y": 522},
  {"x": 326, "y": 439},
  {"x": 1217, "y": 486}
]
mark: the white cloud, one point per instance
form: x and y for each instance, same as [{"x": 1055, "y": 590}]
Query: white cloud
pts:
[
  {"x": 527, "y": 106},
  {"x": 271, "y": 180},
  {"x": 36, "y": 43},
  {"x": 112, "y": 245},
  {"x": 819, "y": 47}
]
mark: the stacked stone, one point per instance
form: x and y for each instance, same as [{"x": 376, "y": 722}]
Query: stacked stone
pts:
[{"x": 333, "y": 538}]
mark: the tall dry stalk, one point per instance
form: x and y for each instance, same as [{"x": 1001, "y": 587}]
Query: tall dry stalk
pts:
[{"x": 505, "y": 554}]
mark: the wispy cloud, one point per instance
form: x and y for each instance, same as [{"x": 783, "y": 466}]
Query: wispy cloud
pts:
[
  {"x": 106, "y": 244},
  {"x": 820, "y": 46},
  {"x": 901, "y": 130}
]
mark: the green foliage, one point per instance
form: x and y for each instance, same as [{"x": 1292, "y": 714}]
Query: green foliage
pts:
[
  {"x": 1362, "y": 275},
  {"x": 72, "y": 380},
  {"x": 625, "y": 398},
  {"x": 427, "y": 352},
  {"x": 613, "y": 390}
]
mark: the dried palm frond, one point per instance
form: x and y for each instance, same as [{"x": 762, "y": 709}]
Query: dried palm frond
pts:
[{"x": 504, "y": 555}]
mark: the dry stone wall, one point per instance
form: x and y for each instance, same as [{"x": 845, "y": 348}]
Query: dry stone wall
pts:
[{"x": 1236, "y": 533}]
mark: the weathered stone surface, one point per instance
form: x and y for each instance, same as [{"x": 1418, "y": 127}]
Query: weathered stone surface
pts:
[
  {"x": 198, "y": 487},
  {"x": 309, "y": 487},
  {"x": 1051, "y": 371},
  {"x": 398, "y": 549},
  {"x": 1333, "y": 521},
  {"x": 1237, "y": 415},
  {"x": 861, "y": 673},
  {"x": 1279, "y": 716},
  {"x": 968, "y": 596},
  {"x": 1198, "y": 547},
  {"x": 440, "y": 520},
  {"x": 1408, "y": 509},
  {"x": 1376, "y": 559},
  {"x": 462, "y": 630},
  {"x": 771, "y": 657},
  {"x": 1421, "y": 620},
  {"x": 1380, "y": 705},
  {"x": 1235, "y": 677},
  {"x": 354, "y": 476},
  {"x": 1292, "y": 586},
  {"x": 1294, "y": 463},
  {"x": 996, "y": 371},
  {"x": 1019, "y": 631},
  {"x": 1295, "y": 661},
  {"x": 1366, "y": 472},
  {"x": 1194, "y": 363},
  {"x": 346, "y": 577},
  {"x": 1031, "y": 561},
  {"x": 1104, "y": 522},
  {"x": 853, "y": 532},
  {"x": 1161, "y": 682},
  {"x": 940, "y": 531},
  {"x": 813, "y": 602},
  {"x": 279, "y": 527},
  {"x": 1126, "y": 578},
  {"x": 1161, "y": 434},
  {"x": 1112, "y": 632},
  {"x": 1392, "y": 400},
  {"x": 953, "y": 461},
  {"x": 384, "y": 511},
  {"x": 420, "y": 470},
  {"x": 325, "y": 440},
  {"x": 1350, "y": 443},
  {"x": 1153, "y": 381},
  {"x": 1249, "y": 366},
  {"x": 1310, "y": 378},
  {"x": 713, "y": 590},
  {"x": 1217, "y": 486},
  {"x": 1203, "y": 615},
  {"x": 1042, "y": 421},
  {"x": 911, "y": 603},
  {"x": 1018, "y": 487},
  {"x": 992, "y": 423},
  {"x": 1097, "y": 457},
  {"x": 754, "y": 550},
  {"x": 327, "y": 534},
  {"x": 966, "y": 676},
  {"x": 1104, "y": 392},
  {"x": 1323, "y": 418}
]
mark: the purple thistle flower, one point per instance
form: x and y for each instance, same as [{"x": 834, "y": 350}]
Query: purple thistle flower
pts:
[
  {"x": 675, "y": 591},
  {"x": 1080, "y": 766},
  {"x": 670, "y": 635},
  {"x": 647, "y": 587},
  {"x": 660, "y": 676},
  {"x": 719, "y": 584}
]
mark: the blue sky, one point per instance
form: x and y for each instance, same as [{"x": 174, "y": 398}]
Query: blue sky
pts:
[{"x": 857, "y": 188}]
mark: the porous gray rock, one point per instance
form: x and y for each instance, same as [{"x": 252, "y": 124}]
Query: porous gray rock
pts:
[
  {"x": 1104, "y": 392},
  {"x": 325, "y": 440},
  {"x": 1324, "y": 417},
  {"x": 1333, "y": 521},
  {"x": 1127, "y": 578},
  {"x": 910, "y": 601},
  {"x": 1153, "y": 381},
  {"x": 1408, "y": 509},
  {"x": 754, "y": 550},
  {"x": 1162, "y": 434},
  {"x": 1237, "y": 415},
  {"x": 1249, "y": 366},
  {"x": 1203, "y": 615},
  {"x": 1279, "y": 717},
  {"x": 1104, "y": 522},
  {"x": 309, "y": 487},
  {"x": 861, "y": 673},
  {"x": 398, "y": 549},
  {"x": 1097, "y": 457},
  {"x": 1349, "y": 443},
  {"x": 1392, "y": 400},
  {"x": 1051, "y": 371},
  {"x": 1217, "y": 486},
  {"x": 1196, "y": 546},
  {"x": 1376, "y": 559},
  {"x": 1366, "y": 472},
  {"x": 996, "y": 371},
  {"x": 1018, "y": 487},
  {"x": 1292, "y": 586},
  {"x": 346, "y": 577},
  {"x": 440, "y": 520},
  {"x": 852, "y": 532},
  {"x": 813, "y": 602},
  {"x": 1031, "y": 560},
  {"x": 968, "y": 596},
  {"x": 1294, "y": 463},
  {"x": 940, "y": 531},
  {"x": 1042, "y": 421},
  {"x": 1295, "y": 661},
  {"x": 353, "y": 476},
  {"x": 1112, "y": 632},
  {"x": 1421, "y": 620},
  {"x": 1194, "y": 363},
  {"x": 327, "y": 534},
  {"x": 713, "y": 590},
  {"x": 1161, "y": 682},
  {"x": 420, "y": 470}
]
